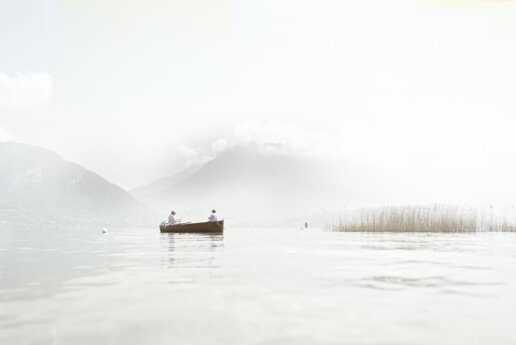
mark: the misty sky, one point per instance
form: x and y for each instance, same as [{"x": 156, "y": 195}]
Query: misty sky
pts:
[{"x": 135, "y": 90}]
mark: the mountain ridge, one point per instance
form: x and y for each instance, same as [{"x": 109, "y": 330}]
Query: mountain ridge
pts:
[
  {"x": 248, "y": 185},
  {"x": 39, "y": 181}
]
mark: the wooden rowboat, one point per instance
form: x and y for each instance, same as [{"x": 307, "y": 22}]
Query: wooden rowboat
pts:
[{"x": 206, "y": 227}]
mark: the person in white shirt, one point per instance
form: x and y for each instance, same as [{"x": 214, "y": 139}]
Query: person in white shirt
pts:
[
  {"x": 172, "y": 218},
  {"x": 212, "y": 217}
]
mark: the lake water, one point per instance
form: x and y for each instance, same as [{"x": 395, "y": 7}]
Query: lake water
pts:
[{"x": 256, "y": 286}]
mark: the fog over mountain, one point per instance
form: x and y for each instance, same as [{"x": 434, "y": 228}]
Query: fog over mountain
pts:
[
  {"x": 250, "y": 185},
  {"x": 39, "y": 185}
]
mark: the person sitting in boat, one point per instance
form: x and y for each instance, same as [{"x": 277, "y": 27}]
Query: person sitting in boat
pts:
[
  {"x": 172, "y": 218},
  {"x": 213, "y": 216}
]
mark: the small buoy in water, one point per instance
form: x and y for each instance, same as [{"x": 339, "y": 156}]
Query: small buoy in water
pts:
[{"x": 104, "y": 230}]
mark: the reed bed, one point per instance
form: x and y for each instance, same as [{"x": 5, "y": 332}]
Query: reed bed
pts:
[{"x": 434, "y": 218}]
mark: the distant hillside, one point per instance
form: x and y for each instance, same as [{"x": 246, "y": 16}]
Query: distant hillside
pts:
[
  {"x": 162, "y": 184},
  {"x": 248, "y": 186},
  {"x": 40, "y": 184}
]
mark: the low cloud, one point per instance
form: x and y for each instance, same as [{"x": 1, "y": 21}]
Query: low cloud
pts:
[
  {"x": 280, "y": 138},
  {"x": 22, "y": 91},
  {"x": 191, "y": 156},
  {"x": 355, "y": 142},
  {"x": 269, "y": 138}
]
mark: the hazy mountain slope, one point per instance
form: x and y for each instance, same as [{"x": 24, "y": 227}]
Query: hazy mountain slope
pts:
[
  {"x": 164, "y": 183},
  {"x": 37, "y": 181},
  {"x": 247, "y": 185}
]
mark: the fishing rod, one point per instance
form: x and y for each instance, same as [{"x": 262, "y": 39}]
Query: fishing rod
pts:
[{"x": 186, "y": 214}]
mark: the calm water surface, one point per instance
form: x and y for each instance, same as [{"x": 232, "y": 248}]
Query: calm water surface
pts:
[{"x": 256, "y": 286}]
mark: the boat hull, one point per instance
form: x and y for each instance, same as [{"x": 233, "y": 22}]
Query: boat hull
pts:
[{"x": 205, "y": 228}]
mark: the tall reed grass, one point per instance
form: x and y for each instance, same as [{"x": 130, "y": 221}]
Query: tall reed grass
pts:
[{"x": 433, "y": 218}]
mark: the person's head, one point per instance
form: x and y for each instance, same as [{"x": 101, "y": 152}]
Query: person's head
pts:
[
  {"x": 213, "y": 211},
  {"x": 173, "y": 212}
]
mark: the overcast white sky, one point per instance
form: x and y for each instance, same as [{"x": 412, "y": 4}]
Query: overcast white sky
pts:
[{"x": 138, "y": 89}]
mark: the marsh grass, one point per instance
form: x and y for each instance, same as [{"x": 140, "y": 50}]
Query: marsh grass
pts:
[{"x": 434, "y": 218}]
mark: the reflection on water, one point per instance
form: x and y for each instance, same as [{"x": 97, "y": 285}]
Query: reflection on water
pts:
[
  {"x": 255, "y": 286},
  {"x": 192, "y": 250}
]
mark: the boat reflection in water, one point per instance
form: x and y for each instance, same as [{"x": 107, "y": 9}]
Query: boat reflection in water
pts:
[{"x": 192, "y": 250}]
